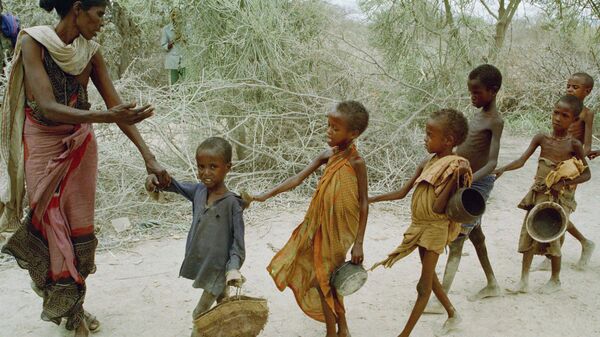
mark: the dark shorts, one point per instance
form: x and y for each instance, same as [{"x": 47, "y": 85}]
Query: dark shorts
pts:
[{"x": 483, "y": 186}]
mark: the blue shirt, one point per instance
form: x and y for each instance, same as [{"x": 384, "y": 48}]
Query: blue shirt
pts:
[{"x": 215, "y": 242}]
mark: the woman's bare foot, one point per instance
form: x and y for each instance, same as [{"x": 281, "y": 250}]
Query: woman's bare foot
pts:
[
  {"x": 587, "y": 248},
  {"x": 543, "y": 266},
  {"x": 452, "y": 323},
  {"x": 522, "y": 288},
  {"x": 91, "y": 321},
  {"x": 491, "y": 290},
  {"x": 551, "y": 287},
  {"x": 82, "y": 330}
]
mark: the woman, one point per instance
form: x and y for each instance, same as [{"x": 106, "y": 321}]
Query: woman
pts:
[{"x": 47, "y": 134}]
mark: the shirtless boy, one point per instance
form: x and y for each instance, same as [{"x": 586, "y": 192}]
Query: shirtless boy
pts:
[
  {"x": 580, "y": 85},
  {"x": 481, "y": 149},
  {"x": 557, "y": 148}
]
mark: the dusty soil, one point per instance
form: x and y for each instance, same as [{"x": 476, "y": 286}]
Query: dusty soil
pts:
[{"x": 136, "y": 292}]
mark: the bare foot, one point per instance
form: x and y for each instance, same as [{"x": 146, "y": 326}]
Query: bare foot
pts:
[
  {"x": 451, "y": 323},
  {"x": 491, "y": 290},
  {"x": 91, "y": 321},
  {"x": 543, "y": 266},
  {"x": 587, "y": 249},
  {"x": 434, "y": 307},
  {"x": 551, "y": 287},
  {"x": 522, "y": 288},
  {"x": 82, "y": 330}
]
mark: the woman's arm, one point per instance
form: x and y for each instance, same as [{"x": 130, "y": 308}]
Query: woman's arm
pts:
[
  {"x": 517, "y": 164},
  {"x": 402, "y": 192},
  {"x": 360, "y": 168},
  {"x": 104, "y": 84},
  {"x": 296, "y": 180},
  {"x": 38, "y": 83}
]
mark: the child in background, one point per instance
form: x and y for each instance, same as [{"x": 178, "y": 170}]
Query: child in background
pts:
[
  {"x": 214, "y": 251},
  {"x": 435, "y": 180},
  {"x": 557, "y": 149},
  {"x": 335, "y": 221}
]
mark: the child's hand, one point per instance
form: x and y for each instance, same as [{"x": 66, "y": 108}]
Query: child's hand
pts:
[
  {"x": 594, "y": 154},
  {"x": 357, "y": 253},
  {"x": 498, "y": 173},
  {"x": 234, "y": 278},
  {"x": 559, "y": 186},
  {"x": 151, "y": 183}
]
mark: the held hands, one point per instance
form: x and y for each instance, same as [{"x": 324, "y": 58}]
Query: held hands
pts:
[
  {"x": 248, "y": 198},
  {"x": 151, "y": 183},
  {"x": 357, "y": 253},
  {"x": 128, "y": 113},
  {"x": 152, "y": 187},
  {"x": 594, "y": 154},
  {"x": 498, "y": 173},
  {"x": 159, "y": 172}
]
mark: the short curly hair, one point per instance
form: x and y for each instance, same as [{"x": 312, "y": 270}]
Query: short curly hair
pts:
[
  {"x": 454, "y": 122},
  {"x": 355, "y": 114},
  {"x": 574, "y": 103},
  {"x": 488, "y": 75},
  {"x": 587, "y": 79},
  {"x": 216, "y": 145}
]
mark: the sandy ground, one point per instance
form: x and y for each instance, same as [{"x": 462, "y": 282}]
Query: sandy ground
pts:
[{"x": 137, "y": 292}]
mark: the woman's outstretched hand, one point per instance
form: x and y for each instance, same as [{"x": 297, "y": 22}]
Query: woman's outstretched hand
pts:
[{"x": 129, "y": 114}]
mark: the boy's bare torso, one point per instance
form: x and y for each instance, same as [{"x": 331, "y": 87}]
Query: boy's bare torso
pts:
[
  {"x": 476, "y": 148},
  {"x": 577, "y": 129},
  {"x": 557, "y": 150}
]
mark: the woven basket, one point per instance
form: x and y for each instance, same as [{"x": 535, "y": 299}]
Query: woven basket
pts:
[{"x": 236, "y": 316}]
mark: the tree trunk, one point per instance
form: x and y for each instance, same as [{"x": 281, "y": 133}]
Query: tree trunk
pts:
[
  {"x": 501, "y": 27},
  {"x": 130, "y": 37}
]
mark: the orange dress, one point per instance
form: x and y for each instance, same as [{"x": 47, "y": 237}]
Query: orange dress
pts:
[
  {"x": 429, "y": 229},
  {"x": 320, "y": 243}
]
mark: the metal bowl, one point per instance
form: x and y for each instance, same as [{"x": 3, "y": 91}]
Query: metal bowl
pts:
[{"x": 348, "y": 278}]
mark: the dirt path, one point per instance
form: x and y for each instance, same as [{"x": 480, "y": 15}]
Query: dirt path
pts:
[{"x": 137, "y": 292}]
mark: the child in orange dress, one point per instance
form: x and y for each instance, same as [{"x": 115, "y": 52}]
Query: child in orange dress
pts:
[{"x": 335, "y": 221}]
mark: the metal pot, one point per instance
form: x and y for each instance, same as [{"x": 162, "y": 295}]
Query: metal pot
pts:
[
  {"x": 348, "y": 278},
  {"x": 465, "y": 206},
  {"x": 546, "y": 222}
]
